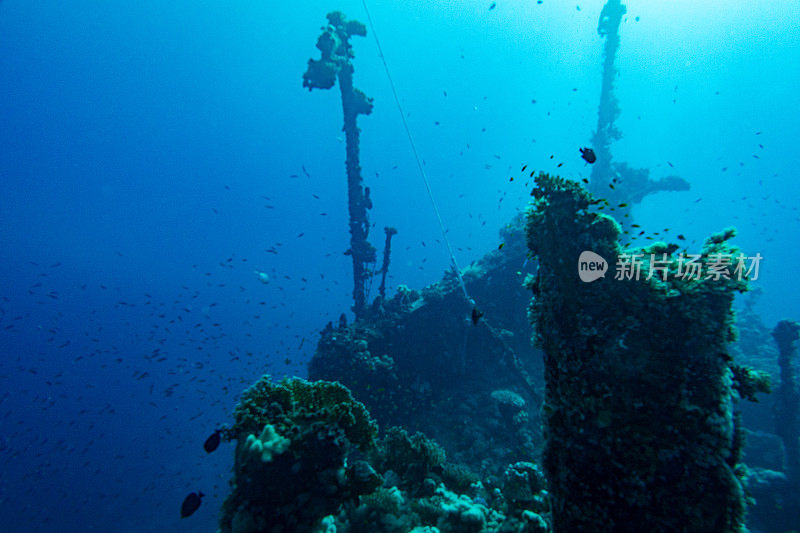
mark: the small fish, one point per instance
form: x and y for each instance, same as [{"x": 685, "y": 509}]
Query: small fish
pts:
[
  {"x": 494, "y": 5},
  {"x": 212, "y": 442},
  {"x": 681, "y": 237},
  {"x": 588, "y": 155},
  {"x": 191, "y": 504},
  {"x": 623, "y": 205},
  {"x": 476, "y": 315},
  {"x": 501, "y": 246}
]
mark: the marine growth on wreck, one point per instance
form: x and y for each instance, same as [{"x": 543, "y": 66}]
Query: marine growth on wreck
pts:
[
  {"x": 639, "y": 423},
  {"x": 200, "y": 332},
  {"x": 601, "y": 403}
]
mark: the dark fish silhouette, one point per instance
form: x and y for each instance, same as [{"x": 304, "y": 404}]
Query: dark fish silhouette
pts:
[
  {"x": 212, "y": 442},
  {"x": 191, "y": 504},
  {"x": 588, "y": 155},
  {"x": 476, "y": 315}
]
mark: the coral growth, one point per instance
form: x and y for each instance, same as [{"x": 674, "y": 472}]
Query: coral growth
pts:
[
  {"x": 413, "y": 458},
  {"x": 303, "y": 472},
  {"x": 417, "y": 360},
  {"x": 295, "y": 472}
]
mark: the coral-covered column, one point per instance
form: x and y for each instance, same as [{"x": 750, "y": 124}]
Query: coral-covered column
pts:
[{"x": 638, "y": 419}]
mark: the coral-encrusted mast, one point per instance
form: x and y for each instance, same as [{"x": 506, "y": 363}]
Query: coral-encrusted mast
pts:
[
  {"x": 616, "y": 181},
  {"x": 608, "y": 109},
  {"x": 334, "y": 44}
]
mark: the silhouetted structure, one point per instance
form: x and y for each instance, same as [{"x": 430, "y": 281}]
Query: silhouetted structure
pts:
[
  {"x": 387, "y": 251},
  {"x": 787, "y": 399},
  {"x": 617, "y": 182},
  {"x": 334, "y": 44}
]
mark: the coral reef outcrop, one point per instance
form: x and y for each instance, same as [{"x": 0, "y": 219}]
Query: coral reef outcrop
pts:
[{"x": 291, "y": 469}]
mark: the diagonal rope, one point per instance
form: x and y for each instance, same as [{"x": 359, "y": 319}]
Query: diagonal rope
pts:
[{"x": 416, "y": 156}]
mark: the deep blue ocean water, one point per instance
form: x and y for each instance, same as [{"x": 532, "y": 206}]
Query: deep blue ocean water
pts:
[{"x": 155, "y": 155}]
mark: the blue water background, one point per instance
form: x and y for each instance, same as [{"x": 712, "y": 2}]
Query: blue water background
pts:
[{"x": 147, "y": 155}]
